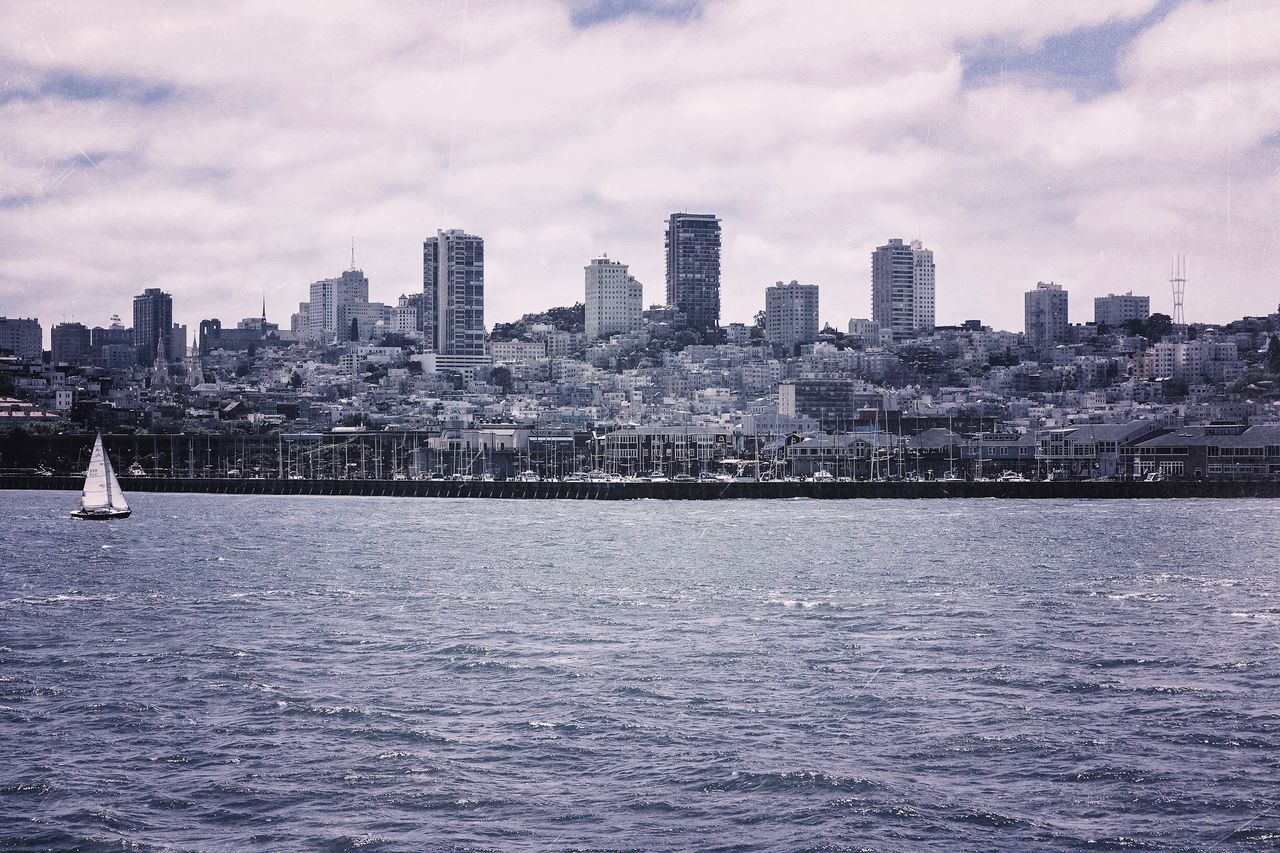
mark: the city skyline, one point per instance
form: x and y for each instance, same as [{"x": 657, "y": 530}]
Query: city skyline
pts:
[
  {"x": 332, "y": 323},
  {"x": 211, "y": 156}
]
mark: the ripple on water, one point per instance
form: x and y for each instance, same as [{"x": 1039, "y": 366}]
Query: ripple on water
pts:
[{"x": 238, "y": 672}]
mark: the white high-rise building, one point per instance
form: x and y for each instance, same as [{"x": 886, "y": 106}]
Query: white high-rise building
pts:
[
  {"x": 453, "y": 293},
  {"x": 329, "y": 311},
  {"x": 791, "y": 314},
  {"x": 614, "y": 300},
  {"x": 1114, "y": 310},
  {"x": 1046, "y": 315},
  {"x": 902, "y": 288}
]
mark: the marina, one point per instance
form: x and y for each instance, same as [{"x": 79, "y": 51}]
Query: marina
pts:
[{"x": 672, "y": 489}]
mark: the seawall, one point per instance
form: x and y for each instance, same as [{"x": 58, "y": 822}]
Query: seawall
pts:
[{"x": 667, "y": 491}]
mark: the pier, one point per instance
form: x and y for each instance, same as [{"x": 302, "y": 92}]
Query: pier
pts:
[{"x": 774, "y": 489}]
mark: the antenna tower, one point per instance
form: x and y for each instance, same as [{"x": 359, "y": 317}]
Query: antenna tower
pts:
[{"x": 1179, "y": 282}]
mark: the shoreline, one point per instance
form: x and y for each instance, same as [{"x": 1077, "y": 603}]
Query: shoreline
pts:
[{"x": 775, "y": 490}]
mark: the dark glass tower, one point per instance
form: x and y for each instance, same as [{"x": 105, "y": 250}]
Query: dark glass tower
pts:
[
  {"x": 693, "y": 267},
  {"x": 152, "y": 323}
]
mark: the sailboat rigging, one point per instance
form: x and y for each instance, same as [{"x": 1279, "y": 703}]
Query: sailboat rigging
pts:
[{"x": 102, "y": 498}]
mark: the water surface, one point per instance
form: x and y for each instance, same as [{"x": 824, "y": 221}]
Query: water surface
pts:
[{"x": 224, "y": 672}]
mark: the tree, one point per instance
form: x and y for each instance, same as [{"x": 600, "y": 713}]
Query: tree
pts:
[
  {"x": 571, "y": 319},
  {"x": 296, "y": 380},
  {"x": 1158, "y": 325},
  {"x": 395, "y": 339},
  {"x": 687, "y": 338},
  {"x": 1272, "y": 358},
  {"x": 501, "y": 377},
  {"x": 1175, "y": 389},
  {"x": 565, "y": 319},
  {"x": 355, "y": 330}
]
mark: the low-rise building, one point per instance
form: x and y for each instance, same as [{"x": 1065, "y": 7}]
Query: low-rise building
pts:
[{"x": 1213, "y": 452}]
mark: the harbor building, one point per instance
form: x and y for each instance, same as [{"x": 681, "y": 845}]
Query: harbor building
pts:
[
  {"x": 693, "y": 268},
  {"x": 833, "y": 402},
  {"x": 791, "y": 314},
  {"x": 614, "y": 299}
]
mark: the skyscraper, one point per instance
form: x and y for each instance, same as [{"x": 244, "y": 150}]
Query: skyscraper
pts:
[
  {"x": 614, "y": 299},
  {"x": 453, "y": 293},
  {"x": 1046, "y": 315},
  {"x": 791, "y": 314},
  {"x": 153, "y": 324},
  {"x": 693, "y": 267},
  {"x": 902, "y": 288},
  {"x": 334, "y": 303}
]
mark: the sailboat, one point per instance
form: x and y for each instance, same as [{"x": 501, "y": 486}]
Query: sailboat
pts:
[{"x": 102, "y": 499}]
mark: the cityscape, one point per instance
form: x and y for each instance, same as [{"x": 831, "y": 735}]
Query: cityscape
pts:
[
  {"x": 614, "y": 389},
  {"x": 639, "y": 425}
]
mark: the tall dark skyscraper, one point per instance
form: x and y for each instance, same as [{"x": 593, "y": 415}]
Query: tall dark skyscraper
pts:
[
  {"x": 693, "y": 267},
  {"x": 453, "y": 293},
  {"x": 152, "y": 322}
]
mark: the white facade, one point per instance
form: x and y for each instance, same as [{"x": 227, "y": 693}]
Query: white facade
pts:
[
  {"x": 869, "y": 332},
  {"x": 371, "y": 319},
  {"x": 791, "y": 314},
  {"x": 22, "y": 336},
  {"x": 1114, "y": 310},
  {"x": 453, "y": 293},
  {"x": 404, "y": 318},
  {"x": 614, "y": 299},
  {"x": 1196, "y": 361},
  {"x": 902, "y": 288},
  {"x": 328, "y": 313},
  {"x": 517, "y": 352},
  {"x": 1045, "y": 315}
]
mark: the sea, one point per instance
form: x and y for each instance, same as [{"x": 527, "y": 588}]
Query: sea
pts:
[{"x": 312, "y": 673}]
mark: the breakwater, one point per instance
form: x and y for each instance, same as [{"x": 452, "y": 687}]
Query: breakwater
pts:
[{"x": 777, "y": 489}]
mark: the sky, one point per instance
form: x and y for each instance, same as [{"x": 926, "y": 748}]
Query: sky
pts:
[{"x": 229, "y": 152}]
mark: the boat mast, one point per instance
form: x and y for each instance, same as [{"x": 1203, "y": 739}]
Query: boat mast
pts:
[{"x": 106, "y": 470}]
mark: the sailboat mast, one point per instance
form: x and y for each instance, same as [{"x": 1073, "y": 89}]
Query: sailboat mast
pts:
[{"x": 106, "y": 469}]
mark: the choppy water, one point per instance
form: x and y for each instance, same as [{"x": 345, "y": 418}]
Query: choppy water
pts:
[{"x": 335, "y": 673}]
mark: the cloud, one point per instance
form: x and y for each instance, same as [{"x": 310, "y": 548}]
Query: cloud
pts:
[{"x": 223, "y": 150}]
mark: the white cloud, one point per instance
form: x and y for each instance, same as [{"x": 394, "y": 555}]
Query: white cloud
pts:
[{"x": 238, "y": 148}]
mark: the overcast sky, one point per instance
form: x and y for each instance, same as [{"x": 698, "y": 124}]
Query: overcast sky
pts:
[{"x": 224, "y": 150}]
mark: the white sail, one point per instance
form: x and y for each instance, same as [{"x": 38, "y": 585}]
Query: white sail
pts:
[
  {"x": 114, "y": 493},
  {"x": 97, "y": 494},
  {"x": 102, "y": 494}
]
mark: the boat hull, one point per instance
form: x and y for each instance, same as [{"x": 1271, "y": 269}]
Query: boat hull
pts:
[{"x": 103, "y": 515}]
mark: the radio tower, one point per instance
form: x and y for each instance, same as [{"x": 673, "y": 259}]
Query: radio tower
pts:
[{"x": 1179, "y": 282}]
